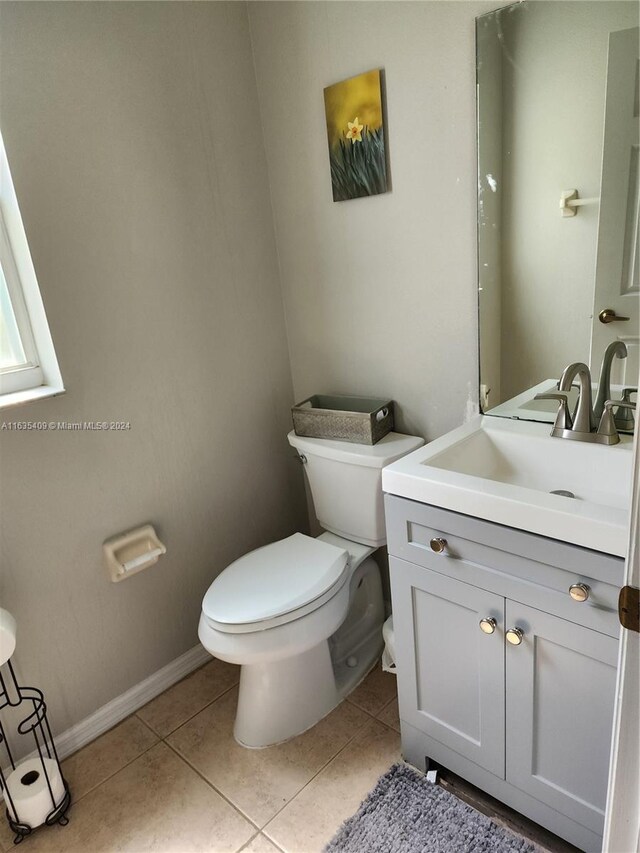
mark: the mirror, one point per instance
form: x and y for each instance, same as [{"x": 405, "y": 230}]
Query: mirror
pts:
[{"x": 557, "y": 125}]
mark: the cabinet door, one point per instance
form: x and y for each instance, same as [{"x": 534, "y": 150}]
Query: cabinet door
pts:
[
  {"x": 560, "y": 694},
  {"x": 450, "y": 673}
]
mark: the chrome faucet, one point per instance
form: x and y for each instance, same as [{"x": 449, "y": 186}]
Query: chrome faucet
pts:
[
  {"x": 615, "y": 349},
  {"x": 584, "y": 420},
  {"x": 582, "y": 426}
]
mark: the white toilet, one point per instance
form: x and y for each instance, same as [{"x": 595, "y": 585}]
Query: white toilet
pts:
[{"x": 303, "y": 616}]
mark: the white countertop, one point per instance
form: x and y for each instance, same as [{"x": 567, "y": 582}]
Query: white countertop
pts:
[{"x": 504, "y": 470}]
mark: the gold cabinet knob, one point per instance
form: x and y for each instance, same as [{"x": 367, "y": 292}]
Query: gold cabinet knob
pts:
[
  {"x": 515, "y": 636},
  {"x": 438, "y": 545},
  {"x": 488, "y": 625},
  {"x": 579, "y": 591}
]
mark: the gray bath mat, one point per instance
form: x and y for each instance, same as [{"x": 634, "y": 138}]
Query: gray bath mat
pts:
[{"x": 407, "y": 814}]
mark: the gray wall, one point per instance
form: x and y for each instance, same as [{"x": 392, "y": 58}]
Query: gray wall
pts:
[
  {"x": 133, "y": 134},
  {"x": 380, "y": 293}
]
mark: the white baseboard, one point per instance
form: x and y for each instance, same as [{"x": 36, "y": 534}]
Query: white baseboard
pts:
[{"x": 122, "y": 706}]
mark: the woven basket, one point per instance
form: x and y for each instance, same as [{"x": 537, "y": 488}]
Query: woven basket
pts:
[{"x": 361, "y": 420}]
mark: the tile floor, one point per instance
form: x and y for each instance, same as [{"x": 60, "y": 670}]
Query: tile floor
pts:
[{"x": 171, "y": 778}]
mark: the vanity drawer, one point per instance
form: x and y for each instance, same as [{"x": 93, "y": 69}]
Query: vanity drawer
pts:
[{"x": 521, "y": 566}]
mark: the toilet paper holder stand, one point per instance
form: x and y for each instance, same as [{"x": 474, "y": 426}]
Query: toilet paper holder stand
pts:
[{"x": 35, "y": 725}]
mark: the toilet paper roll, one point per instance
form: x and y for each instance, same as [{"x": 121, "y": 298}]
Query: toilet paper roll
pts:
[
  {"x": 7, "y": 636},
  {"x": 29, "y": 791}
]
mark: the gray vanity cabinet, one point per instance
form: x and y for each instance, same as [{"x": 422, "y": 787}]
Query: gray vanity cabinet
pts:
[
  {"x": 437, "y": 635},
  {"x": 529, "y": 723},
  {"x": 560, "y": 694}
]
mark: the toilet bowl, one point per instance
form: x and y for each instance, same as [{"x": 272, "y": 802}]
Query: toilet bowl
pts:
[{"x": 303, "y": 616}]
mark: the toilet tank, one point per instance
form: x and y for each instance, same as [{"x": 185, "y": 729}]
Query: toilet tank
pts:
[{"x": 346, "y": 482}]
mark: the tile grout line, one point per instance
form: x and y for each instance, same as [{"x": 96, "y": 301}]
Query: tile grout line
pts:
[
  {"x": 213, "y": 787},
  {"x": 145, "y": 724},
  {"x": 237, "y": 808},
  {"x": 324, "y": 767},
  {"x": 276, "y": 846},
  {"x": 163, "y": 739},
  {"x": 247, "y": 843},
  {"x": 261, "y": 829},
  {"x": 184, "y": 722},
  {"x": 120, "y": 769},
  {"x": 380, "y": 711},
  {"x": 355, "y": 705},
  {"x": 377, "y": 719},
  {"x": 115, "y": 772}
]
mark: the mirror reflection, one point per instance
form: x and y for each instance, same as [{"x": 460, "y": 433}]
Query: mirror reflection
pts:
[{"x": 557, "y": 197}]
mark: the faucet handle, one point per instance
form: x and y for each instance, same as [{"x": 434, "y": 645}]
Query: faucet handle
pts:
[
  {"x": 607, "y": 428},
  {"x": 563, "y": 418},
  {"x": 624, "y": 416}
]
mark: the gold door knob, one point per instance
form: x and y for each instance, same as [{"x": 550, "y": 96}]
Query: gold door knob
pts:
[
  {"x": 438, "y": 545},
  {"x": 608, "y": 315},
  {"x": 488, "y": 625},
  {"x": 515, "y": 636},
  {"x": 579, "y": 591}
]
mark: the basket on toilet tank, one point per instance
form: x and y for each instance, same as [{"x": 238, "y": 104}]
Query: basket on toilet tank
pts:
[{"x": 361, "y": 420}]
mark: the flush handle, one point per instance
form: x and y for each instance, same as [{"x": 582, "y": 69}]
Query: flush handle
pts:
[
  {"x": 515, "y": 636},
  {"x": 438, "y": 545},
  {"x": 579, "y": 591},
  {"x": 488, "y": 625}
]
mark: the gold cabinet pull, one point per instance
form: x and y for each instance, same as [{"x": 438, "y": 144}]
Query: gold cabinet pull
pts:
[
  {"x": 515, "y": 636},
  {"x": 579, "y": 591},
  {"x": 438, "y": 545},
  {"x": 488, "y": 625}
]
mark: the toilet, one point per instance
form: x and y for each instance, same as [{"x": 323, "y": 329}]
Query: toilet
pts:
[{"x": 303, "y": 616}]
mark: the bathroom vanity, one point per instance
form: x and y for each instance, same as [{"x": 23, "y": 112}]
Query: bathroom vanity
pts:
[
  {"x": 528, "y": 721},
  {"x": 506, "y": 543},
  {"x": 505, "y": 614}
]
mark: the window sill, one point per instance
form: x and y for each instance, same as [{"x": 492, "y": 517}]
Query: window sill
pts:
[{"x": 18, "y": 398}]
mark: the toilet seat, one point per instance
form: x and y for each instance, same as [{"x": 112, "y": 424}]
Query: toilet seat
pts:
[{"x": 275, "y": 584}]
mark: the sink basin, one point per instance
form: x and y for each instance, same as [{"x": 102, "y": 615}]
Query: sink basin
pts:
[{"x": 505, "y": 471}]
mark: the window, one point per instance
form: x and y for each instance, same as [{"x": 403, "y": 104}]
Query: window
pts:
[{"x": 28, "y": 365}]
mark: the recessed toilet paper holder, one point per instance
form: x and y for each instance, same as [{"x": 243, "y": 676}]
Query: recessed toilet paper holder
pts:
[{"x": 129, "y": 553}]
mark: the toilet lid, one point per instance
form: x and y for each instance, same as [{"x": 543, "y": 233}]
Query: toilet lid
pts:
[{"x": 274, "y": 580}]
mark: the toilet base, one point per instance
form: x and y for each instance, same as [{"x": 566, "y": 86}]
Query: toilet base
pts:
[
  {"x": 279, "y": 701},
  {"x": 288, "y": 683},
  {"x": 284, "y": 698}
]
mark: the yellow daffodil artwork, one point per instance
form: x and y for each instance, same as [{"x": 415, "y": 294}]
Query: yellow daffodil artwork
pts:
[{"x": 355, "y": 131}]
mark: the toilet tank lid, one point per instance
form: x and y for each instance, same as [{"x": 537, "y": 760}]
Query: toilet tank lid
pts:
[
  {"x": 387, "y": 450},
  {"x": 275, "y": 580}
]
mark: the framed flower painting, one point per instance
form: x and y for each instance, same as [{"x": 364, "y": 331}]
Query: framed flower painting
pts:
[{"x": 355, "y": 129}]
